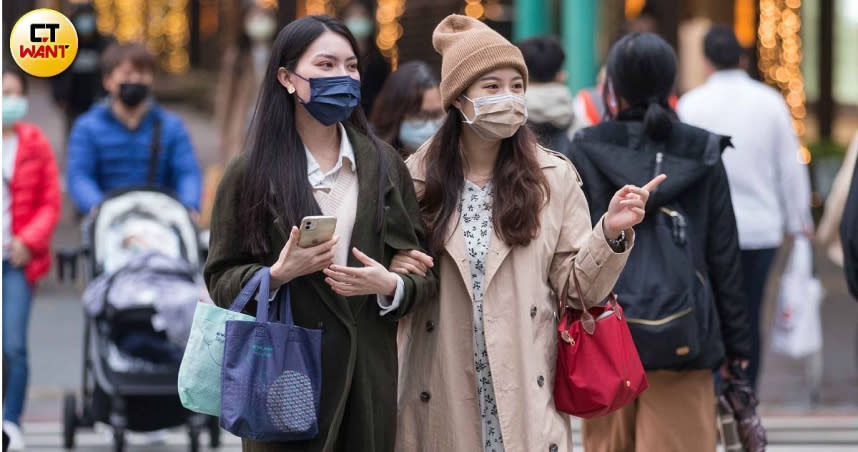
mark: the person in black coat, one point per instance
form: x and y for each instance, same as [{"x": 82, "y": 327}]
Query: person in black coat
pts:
[
  {"x": 849, "y": 237},
  {"x": 682, "y": 284},
  {"x": 76, "y": 89},
  {"x": 550, "y": 106}
]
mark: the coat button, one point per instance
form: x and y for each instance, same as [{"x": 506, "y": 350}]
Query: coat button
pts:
[
  {"x": 553, "y": 448},
  {"x": 424, "y": 396},
  {"x": 540, "y": 380},
  {"x": 532, "y": 311},
  {"x": 430, "y": 326}
]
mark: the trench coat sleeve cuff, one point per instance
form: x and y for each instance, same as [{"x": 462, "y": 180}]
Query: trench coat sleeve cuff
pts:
[
  {"x": 386, "y": 304},
  {"x": 601, "y": 250},
  {"x": 600, "y": 265}
]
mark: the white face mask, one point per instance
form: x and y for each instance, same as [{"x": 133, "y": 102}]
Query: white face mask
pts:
[
  {"x": 498, "y": 116},
  {"x": 260, "y": 27}
]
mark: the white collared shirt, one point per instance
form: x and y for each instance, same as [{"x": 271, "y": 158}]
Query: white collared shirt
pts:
[
  {"x": 324, "y": 180},
  {"x": 769, "y": 187},
  {"x": 319, "y": 178}
]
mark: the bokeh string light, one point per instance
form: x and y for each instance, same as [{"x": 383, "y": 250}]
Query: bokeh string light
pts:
[
  {"x": 267, "y": 4},
  {"x": 633, "y": 8},
  {"x": 387, "y": 17},
  {"x": 319, "y": 7},
  {"x": 475, "y": 9},
  {"x": 162, "y": 25},
  {"x": 780, "y": 58},
  {"x": 744, "y": 22}
]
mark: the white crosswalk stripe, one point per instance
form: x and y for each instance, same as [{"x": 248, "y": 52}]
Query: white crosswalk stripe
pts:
[
  {"x": 786, "y": 434},
  {"x": 47, "y": 436}
]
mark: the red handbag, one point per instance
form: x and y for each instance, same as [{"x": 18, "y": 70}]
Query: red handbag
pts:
[{"x": 598, "y": 367}]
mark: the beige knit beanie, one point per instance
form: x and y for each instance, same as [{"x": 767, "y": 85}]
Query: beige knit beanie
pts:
[{"x": 469, "y": 49}]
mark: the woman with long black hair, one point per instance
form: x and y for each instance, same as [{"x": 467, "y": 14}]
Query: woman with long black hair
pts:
[
  {"x": 682, "y": 288},
  {"x": 310, "y": 153}
]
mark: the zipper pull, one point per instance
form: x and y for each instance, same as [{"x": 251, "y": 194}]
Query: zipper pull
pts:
[{"x": 659, "y": 157}]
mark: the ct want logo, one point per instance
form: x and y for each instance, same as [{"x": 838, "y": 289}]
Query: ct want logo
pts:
[{"x": 43, "y": 42}]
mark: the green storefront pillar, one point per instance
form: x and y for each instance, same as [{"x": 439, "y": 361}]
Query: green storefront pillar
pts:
[
  {"x": 578, "y": 29},
  {"x": 531, "y": 19}
]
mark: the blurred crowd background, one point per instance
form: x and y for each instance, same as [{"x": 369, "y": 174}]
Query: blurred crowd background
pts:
[{"x": 210, "y": 53}]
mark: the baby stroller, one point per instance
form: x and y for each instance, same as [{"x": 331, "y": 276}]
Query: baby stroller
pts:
[{"x": 124, "y": 391}]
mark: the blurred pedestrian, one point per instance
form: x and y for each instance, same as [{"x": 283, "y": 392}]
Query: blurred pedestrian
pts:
[
  {"x": 549, "y": 103},
  {"x": 241, "y": 72},
  {"x": 129, "y": 139},
  {"x": 408, "y": 109},
  {"x": 681, "y": 289},
  {"x": 79, "y": 86},
  {"x": 374, "y": 68},
  {"x": 770, "y": 188},
  {"x": 828, "y": 232},
  {"x": 31, "y": 209},
  {"x": 242, "y": 67},
  {"x": 507, "y": 221},
  {"x": 310, "y": 152},
  {"x": 589, "y": 104},
  {"x": 849, "y": 235}
]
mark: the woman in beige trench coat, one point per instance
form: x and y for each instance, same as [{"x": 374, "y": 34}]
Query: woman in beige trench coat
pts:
[{"x": 506, "y": 220}]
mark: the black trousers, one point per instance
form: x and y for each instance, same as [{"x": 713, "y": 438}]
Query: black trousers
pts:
[{"x": 756, "y": 265}]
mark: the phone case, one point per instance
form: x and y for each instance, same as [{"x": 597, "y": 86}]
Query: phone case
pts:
[{"x": 316, "y": 230}]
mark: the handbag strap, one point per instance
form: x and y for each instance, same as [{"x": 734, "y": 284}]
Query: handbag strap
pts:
[
  {"x": 284, "y": 297},
  {"x": 587, "y": 320},
  {"x": 248, "y": 290}
]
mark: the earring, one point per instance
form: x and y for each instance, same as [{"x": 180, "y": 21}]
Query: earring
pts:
[{"x": 290, "y": 89}]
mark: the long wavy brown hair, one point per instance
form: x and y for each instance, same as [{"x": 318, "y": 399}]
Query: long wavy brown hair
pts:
[{"x": 520, "y": 189}]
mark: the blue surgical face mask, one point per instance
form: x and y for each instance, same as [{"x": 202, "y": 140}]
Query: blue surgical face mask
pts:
[
  {"x": 14, "y": 108},
  {"x": 84, "y": 24},
  {"x": 414, "y": 132},
  {"x": 332, "y": 99}
]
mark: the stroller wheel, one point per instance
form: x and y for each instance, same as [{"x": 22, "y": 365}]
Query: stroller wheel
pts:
[
  {"x": 70, "y": 420},
  {"x": 214, "y": 432},
  {"x": 119, "y": 440}
]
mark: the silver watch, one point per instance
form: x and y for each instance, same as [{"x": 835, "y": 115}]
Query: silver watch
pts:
[{"x": 619, "y": 244}]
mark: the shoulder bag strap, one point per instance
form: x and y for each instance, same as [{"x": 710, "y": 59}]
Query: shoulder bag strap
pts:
[{"x": 154, "y": 154}]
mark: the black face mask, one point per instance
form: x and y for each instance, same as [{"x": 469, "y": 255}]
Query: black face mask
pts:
[{"x": 131, "y": 94}]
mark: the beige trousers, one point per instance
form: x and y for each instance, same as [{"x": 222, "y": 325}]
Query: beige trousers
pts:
[{"x": 675, "y": 414}]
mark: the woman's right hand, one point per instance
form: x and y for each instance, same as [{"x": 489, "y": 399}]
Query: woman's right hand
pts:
[
  {"x": 295, "y": 261},
  {"x": 411, "y": 261}
]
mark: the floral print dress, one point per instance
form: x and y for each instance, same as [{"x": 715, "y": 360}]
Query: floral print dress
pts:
[{"x": 476, "y": 217}]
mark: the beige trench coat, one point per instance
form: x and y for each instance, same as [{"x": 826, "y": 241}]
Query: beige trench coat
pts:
[{"x": 438, "y": 408}]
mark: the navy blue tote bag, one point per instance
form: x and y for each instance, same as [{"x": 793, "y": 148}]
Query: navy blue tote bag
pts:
[{"x": 272, "y": 374}]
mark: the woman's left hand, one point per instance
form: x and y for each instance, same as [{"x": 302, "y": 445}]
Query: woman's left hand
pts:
[
  {"x": 372, "y": 278},
  {"x": 627, "y": 207},
  {"x": 19, "y": 254}
]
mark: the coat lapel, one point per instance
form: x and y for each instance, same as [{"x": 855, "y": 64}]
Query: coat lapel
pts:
[
  {"x": 456, "y": 248},
  {"x": 365, "y": 234},
  {"x": 498, "y": 249}
]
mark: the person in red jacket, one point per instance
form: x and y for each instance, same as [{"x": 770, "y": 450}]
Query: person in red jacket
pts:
[{"x": 31, "y": 208}]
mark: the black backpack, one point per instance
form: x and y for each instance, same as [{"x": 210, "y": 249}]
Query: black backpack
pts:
[{"x": 666, "y": 294}]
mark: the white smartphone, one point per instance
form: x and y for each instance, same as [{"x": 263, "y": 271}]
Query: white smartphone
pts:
[{"x": 316, "y": 230}]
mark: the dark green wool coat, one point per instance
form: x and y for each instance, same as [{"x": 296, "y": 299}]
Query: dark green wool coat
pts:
[{"x": 359, "y": 363}]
